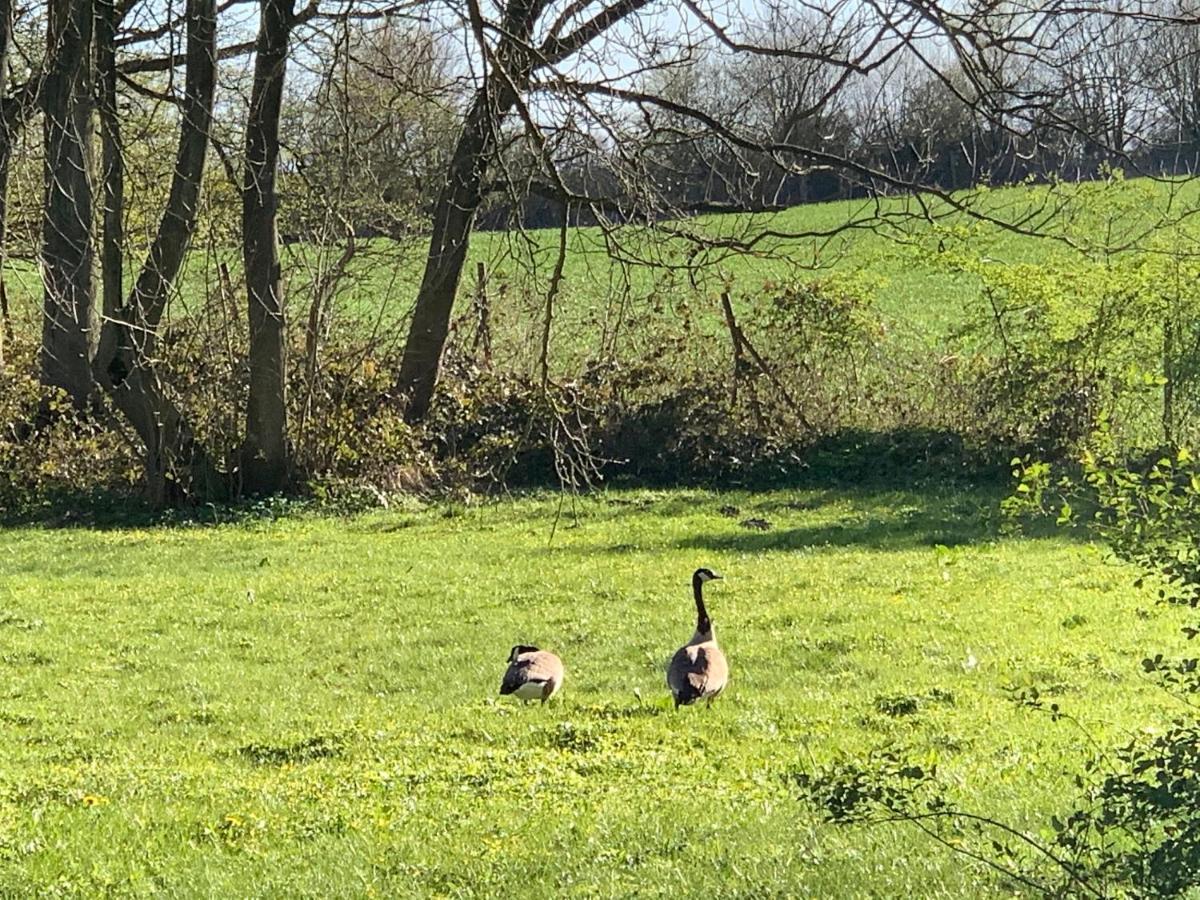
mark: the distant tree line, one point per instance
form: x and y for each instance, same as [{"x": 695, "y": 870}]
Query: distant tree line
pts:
[
  {"x": 1099, "y": 88},
  {"x": 1110, "y": 86}
]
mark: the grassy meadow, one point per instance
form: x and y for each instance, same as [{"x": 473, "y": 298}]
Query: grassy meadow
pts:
[
  {"x": 632, "y": 280},
  {"x": 631, "y": 283},
  {"x": 307, "y": 706}
]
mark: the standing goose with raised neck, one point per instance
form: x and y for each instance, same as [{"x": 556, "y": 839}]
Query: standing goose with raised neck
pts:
[
  {"x": 698, "y": 671},
  {"x": 532, "y": 674}
]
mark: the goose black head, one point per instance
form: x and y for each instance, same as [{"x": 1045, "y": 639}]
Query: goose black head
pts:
[
  {"x": 702, "y": 575},
  {"x": 519, "y": 649}
]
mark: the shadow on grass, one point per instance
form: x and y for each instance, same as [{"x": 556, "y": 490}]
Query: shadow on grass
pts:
[
  {"x": 874, "y": 532},
  {"x": 114, "y": 511},
  {"x": 101, "y": 510},
  {"x": 878, "y": 520},
  {"x": 903, "y": 458},
  {"x": 308, "y": 749},
  {"x": 930, "y": 471},
  {"x": 898, "y": 458}
]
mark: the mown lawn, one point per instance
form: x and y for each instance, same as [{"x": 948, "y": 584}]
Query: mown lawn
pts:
[{"x": 307, "y": 706}]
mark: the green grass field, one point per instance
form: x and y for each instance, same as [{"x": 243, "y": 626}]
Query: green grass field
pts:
[
  {"x": 308, "y": 706},
  {"x": 919, "y": 298}
]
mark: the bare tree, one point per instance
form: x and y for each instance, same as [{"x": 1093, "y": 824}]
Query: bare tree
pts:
[
  {"x": 1100, "y": 96},
  {"x": 792, "y": 98},
  {"x": 69, "y": 321},
  {"x": 510, "y": 63},
  {"x": 264, "y": 454},
  {"x": 1171, "y": 67},
  {"x": 370, "y": 140},
  {"x": 176, "y": 463}
]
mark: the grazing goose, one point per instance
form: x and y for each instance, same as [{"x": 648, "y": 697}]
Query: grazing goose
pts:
[
  {"x": 698, "y": 671},
  {"x": 532, "y": 674}
]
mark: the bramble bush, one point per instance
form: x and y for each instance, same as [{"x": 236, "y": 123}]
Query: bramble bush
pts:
[
  {"x": 656, "y": 418},
  {"x": 822, "y": 387},
  {"x": 52, "y": 455}
]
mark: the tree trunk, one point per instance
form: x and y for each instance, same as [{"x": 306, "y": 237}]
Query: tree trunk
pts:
[
  {"x": 452, "y": 221},
  {"x": 69, "y": 320},
  {"x": 457, "y": 202},
  {"x": 112, "y": 166},
  {"x": 177, "y": 466},
  {"x": 6, "y": 20},
  {"x": 264, "y": 453},
  {"x": 6, "y": 329}
]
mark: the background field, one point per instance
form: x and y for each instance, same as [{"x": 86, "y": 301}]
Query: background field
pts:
[
  {"x": 307, "y": 706},
  {"x": 886, "y": 243}
]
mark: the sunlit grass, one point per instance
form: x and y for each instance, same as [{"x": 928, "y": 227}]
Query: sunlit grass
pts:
[
  {"x": 919, "y": 299},
  {"x": 308, "y": 705}
]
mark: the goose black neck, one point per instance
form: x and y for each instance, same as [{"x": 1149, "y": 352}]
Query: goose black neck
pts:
[{"x": 703, "y": 623}]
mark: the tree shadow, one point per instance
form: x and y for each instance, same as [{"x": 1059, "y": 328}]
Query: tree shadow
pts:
[
  {"x": 906, "y": 457},
  {"x": 873, "y": 532},
  {"x": 877, "y": 520},
  {"x": 118, "y": 511},
  {"x": 938, "y": 490},
  {"x": 100, "y": 510}
]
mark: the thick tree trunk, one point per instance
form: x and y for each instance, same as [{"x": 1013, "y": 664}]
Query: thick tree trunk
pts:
[
  {"x": 177, "y": 466},
  {"x": 69, "y": 319},
  {"x": 6, "y": 330},
  {"x": 264, "y": 454},
  {"x": 458, "y": 200},
  {"x": 112, "y": 165},
  {"x": 453, "y": 218},
  {"x": 6, "y": 20}
]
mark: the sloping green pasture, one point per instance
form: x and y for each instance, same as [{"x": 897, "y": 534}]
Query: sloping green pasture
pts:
[{"x": 890, "y": 246}]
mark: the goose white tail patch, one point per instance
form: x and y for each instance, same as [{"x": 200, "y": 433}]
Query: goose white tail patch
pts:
[{"x": 530, "y": 690}]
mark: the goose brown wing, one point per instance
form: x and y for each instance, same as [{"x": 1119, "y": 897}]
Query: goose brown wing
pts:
[
  {"x": 696, "y": 672},
  {"x": 538, "y": 667},
  {"x": 542, "y": 666},
  {"x": 716, "y": 672}
]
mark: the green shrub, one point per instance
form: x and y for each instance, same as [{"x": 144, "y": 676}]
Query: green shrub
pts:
[
  {"x": 1133, "y": 830},
  {"x": 1048, "y": 349},
  {"x": 53, "y": 456}
]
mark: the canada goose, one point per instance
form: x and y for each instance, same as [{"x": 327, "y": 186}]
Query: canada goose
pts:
[
  {"x": 532, "y": 674},
  {"x": 698, "y": 670}
]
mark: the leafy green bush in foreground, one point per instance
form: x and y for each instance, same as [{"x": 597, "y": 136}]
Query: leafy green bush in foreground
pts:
[{"x": 1134, "y": 829}]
